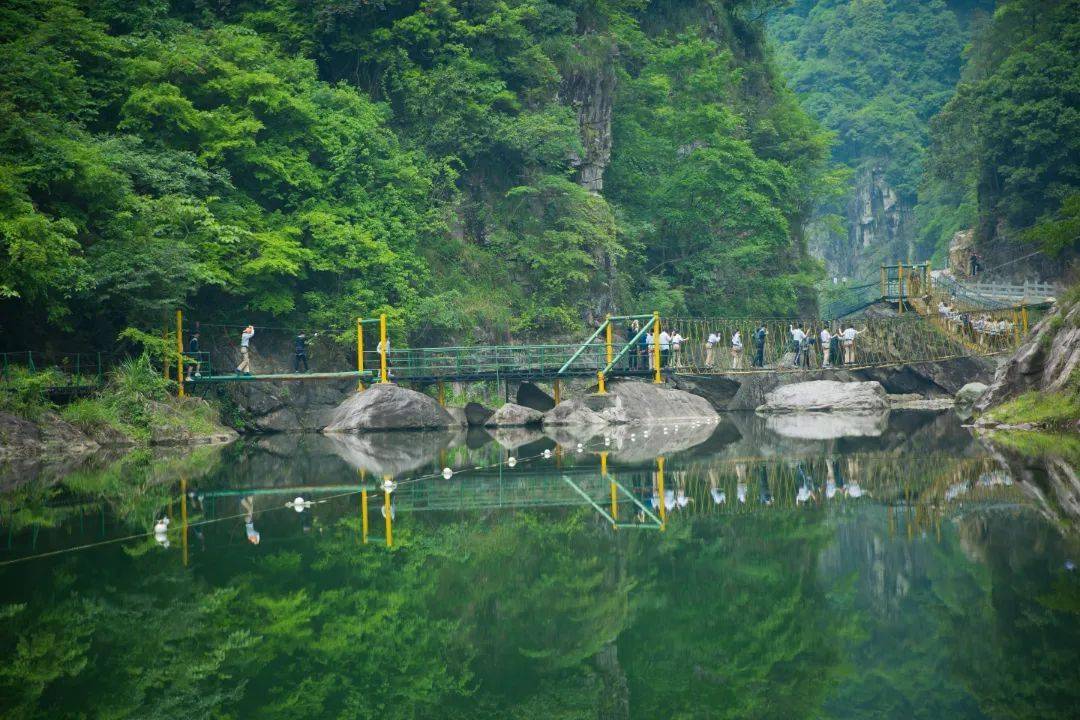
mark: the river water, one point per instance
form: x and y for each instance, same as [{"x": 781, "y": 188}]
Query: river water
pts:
[{"x": 742, "y": 570}]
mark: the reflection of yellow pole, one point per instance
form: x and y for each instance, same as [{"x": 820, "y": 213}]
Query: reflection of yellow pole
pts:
[
  {"x": 656, "y": 347},
  {"x": 183, "y": 518},
  {"x": 442, "y": 394},
  {"x": 660, "y": 490},
  {"x": 363, "y": 515},
  {"x": 360, "y": 353},
  {"x": 607, "y": 341},
  {"x": 883, "y": 284},
  {"x": 614, "y": 493},
  {"x": 600, "y": 383},
  {"x": 382, "y": 353},
  {"x": 180, "y": 353},
  {"x": 555, "y": 389},
  {"x": 389, "y": 519}
]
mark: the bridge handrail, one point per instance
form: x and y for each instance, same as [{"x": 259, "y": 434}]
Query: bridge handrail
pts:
[
  {"x": 584, "y": 346},
  {"x": 630, "y": 344}
]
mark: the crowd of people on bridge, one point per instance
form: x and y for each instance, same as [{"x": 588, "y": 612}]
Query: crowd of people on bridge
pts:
[{"x": 836, "y": 346}]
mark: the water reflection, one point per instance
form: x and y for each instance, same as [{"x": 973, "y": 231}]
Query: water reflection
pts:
[{"x": 908, "y": 573}]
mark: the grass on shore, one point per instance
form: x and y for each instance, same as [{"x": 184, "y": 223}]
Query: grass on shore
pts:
[{"x": 1044, "y": 409}]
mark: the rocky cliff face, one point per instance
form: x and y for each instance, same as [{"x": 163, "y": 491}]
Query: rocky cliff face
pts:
[{"x": 1049, "y": 359}]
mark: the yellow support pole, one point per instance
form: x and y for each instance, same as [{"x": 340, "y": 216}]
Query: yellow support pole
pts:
[
  {"x": 656, "y": 348},
  {"x": 360, "y": 353},
  {"x": 1016, "y": 326},
  {"x": 610, "y": 353},
  {"x": 900, "y": 285},
  {"x": 884, "y": 284},
  {"x": 383, "y": 374},
  {"x": 1023, "y": 314},
  {"x": 183, "y": 517},
  {"x": 555, "y": 389},
  {"x": 389, "y": 519},
  {"x": 180, "y": 353},
  {"x": 363, "y": 515},
  {"x": 601, "y": 390},
  {"x": 442, "y": 393},
  {"x": 660, "y": 491}
]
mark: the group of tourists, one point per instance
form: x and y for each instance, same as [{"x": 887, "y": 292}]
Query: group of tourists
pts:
[
  {"x": 979, "y": 327},
  {"x": 675, "y": 351},
  {"x": 194, "y": 357}
]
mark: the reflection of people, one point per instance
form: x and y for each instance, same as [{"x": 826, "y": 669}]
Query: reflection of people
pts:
[
  {"x": 764, "y": 495},
  {"x": 740, "y": 488},
  {"x": 805, "y": 490},
  {"x": 248, "y": 506},
  {"x": 719, "y": 497}
]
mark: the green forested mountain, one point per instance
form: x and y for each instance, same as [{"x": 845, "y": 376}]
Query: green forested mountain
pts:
[
  {"x": 1010, "y": 137},
  {"x": 472, "y": 168},
  {"x": 875, "y": 72}
]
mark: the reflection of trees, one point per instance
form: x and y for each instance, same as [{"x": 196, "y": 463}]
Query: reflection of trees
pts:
[{"x": 730, "y": 622}]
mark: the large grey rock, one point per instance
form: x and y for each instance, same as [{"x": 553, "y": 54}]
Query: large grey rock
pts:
[
  {"x": 511, "y": 415},
  {"x": 530, "y": 396},
  {"x": 968, "y": 396},
  {"x": 826, "y": 396},
  {"x": 477, "y": 414},
  {"x": 458, "y": 414},
  {"x": 388, "y": 407},
  {"x": 19, "y": 437},
  {"x": 293, "y": 406},
  {"x": 572, "y": 412},
  {"x": 644, "y": 402}
]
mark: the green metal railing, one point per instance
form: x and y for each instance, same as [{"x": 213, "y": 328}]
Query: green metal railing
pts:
[{"x": 69, "y": 370}]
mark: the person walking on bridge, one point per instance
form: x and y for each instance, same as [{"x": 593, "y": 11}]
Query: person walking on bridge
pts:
[
  {"x": 736, "y": 351},
  {"x": 300, "y": 350},
  {"x": 244, "y": 368},
  {"x": 193, "y": 353},
  {"x": 759, "y": 346},
  {"x": 826, "y": 347},
  {"x": 849, "y": 344}
]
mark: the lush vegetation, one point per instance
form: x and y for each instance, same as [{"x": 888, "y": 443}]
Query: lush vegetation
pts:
[
  {"x": 1010, "y": 137},
  {"x": 315, "y": 161}
]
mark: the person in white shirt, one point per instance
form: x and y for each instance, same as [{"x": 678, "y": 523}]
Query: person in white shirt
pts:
[
  {"x": 826, "y": 337},
  {"x": 245, "y": 360},
  {"x": 736, "y": 350},
  {"x": 665, "y": 348},
  {"x": 649, "y": 341},
  {"x": 849, "y": 344},
  {"x": 677, "y": 341},
  {"x": 710, "y": 349},
  {"x": 797, "y": 337}
]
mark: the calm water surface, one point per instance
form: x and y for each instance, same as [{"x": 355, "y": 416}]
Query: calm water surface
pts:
[{"x": 882, "y": 569}]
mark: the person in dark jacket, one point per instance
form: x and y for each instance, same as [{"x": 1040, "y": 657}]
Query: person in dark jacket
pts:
[
  {"x": 192, "y": 368},
  {"x": 300, "y": 351},
  {"x": 759, "y": 346}
]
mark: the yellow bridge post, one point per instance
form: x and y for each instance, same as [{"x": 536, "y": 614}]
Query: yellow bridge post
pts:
[
  {"x": 555, "y": 390},
  {"x": 609, "y": 354},
  {"x": 601, "y": 390},
  {"x": 442, "y": 393},
  {"x": 180, "y": 354},
  {"x": 900, "y": 285},
  {"x": 656, "y": 348},
  {"x": 383, "y": 374},
  {"x": 1024, "y": 316},
  {"x": 360, "y": 353},
  {"x": 884, "y": 284}
]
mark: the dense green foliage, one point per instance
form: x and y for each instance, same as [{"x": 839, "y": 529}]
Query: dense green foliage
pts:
[
  {"x": 315, "y": 161},
  {"x": 1011, "y": 134},
  {"x": 875, "y": 72}
]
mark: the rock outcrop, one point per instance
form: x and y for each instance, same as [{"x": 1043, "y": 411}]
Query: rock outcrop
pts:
[
  {"x": 628, "y": 401},
  {"x": 1047, "y": 360},
  {"x": 288, "y": 406},
  {"x": 388, "y": 407},
  {"x": 572, "y": 412},
  {"x": 511, "y": 415},
  {"x": 531, "y": 396},
  {"x": 826, "y": 396},
  {"x": 476, "y": 414},
  {"x": 967, "y": 397}
]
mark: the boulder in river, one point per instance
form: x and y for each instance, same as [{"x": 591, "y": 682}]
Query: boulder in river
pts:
[
  {"x": 477, "y": 414},
  {"x": 967, "y": 397},
  {"x": 529, "y": 395},
  {"x": 388, "y": 407},
  {"x": 571, "y": 412},
  {"x": 828, "y": 426},
  {"x": 511, "y": 415},
  {"x": 826, "y": 396},
  {"x": 645, "y": 402}
]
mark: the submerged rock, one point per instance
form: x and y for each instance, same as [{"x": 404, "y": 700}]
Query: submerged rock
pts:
[
  {"x": 826, "y": 396},
  {"x": 828, "y": 425},
  {"x": 388, "y": 407},
  {"x": 644, "y": 402},
  {"x": 511, "y": 415}
]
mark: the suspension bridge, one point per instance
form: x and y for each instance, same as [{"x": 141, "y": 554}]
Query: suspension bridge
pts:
[{"x": 934, "y": 319}]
